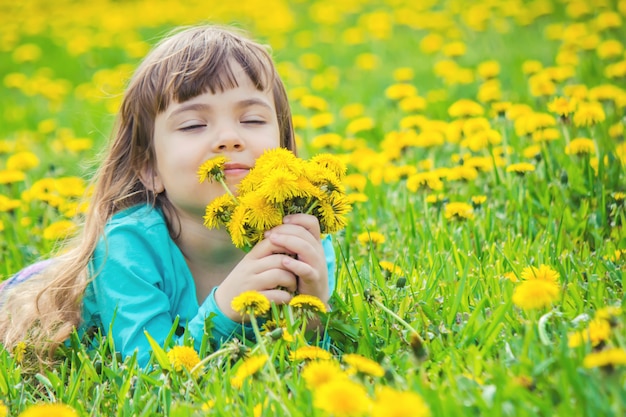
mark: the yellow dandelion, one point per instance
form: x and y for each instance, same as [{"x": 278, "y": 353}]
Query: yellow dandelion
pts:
[
  {"x": 580, "y": 146},
  {"x": 237, "y": 226},
  {"x": 375, "y": 238},
  {"x": 8, "y": 204},
  {"x": 251, "y": 302},
  {"x": 22, "y": 161},
  {"x": 308, "y": 302},
  {"x": 400, "y": 91},
  {"x": 352, "y": 110},
  {"x": 360, "y": 124},
  {"x": 390, "y": 268},
  {"x": 362, "y": 365},
  {"x": 608, "y": 313},
  {"x": 403, "y": 74},
  {"x": 218, "y": 212},
  {"x": 520, "y": 168},
  {"x": 465, "y": 108},
  {"x": 4, "y": 410},
  {"x": 59, "y": 230},
  {"x": 262, "y": 213},
  {"x": 320, "y": 372},
  {"x": 279, "y": 159},
  {"x": 248, "y": 368},
  {"x": 616, "y": 131},
  {"x": 531, "y": 151},
  {"x": 531, "y": 67},
  {"x": 318, "y": 121},
  {"x": 356, "y": 181},
  {"x": 489, "y": 69},
  {"x": 212, "y": 169},
  {"x": 598, "y": 331},
  {"x": 428, "y": 180},
  {"x": 605, "y": 358},
  {"x": 326, "y": 140},
  {"x": 544, "y": 272},
  {"x": 392, "y": 403},
  {"x": 458, "y": 211},
  {"x": 562, "y": 106},
  {"x": 478, "y": 200},
  {"x": 412, "y": 104},
  {"x": 309, "y": 353},
  {"x": 309, "y": 101},
  {"x": 184, "y": 357},
  {"x": 535, "y": 294},
  {"x": 51, "y": 409},
  {"x": 589, "y": 114},
  {"x": 342, "y": 398},
  {"x": 332, "y": 163},
  {"x": 9, "y": 176}
]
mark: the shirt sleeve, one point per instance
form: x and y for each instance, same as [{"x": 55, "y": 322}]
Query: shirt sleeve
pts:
[{"x": 128, "y": 287}]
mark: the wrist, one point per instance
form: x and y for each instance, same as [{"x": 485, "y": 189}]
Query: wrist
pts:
[{"x": 223, "y": 304}]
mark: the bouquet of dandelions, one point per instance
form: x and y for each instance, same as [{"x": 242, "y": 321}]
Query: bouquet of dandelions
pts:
[{"x": 279, "y": 184}]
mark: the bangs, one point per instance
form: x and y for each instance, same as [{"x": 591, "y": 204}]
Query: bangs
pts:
[{"x": 205, "y": 63}]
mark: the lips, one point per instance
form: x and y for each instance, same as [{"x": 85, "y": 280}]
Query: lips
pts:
[{"x": 233, "y": 168}]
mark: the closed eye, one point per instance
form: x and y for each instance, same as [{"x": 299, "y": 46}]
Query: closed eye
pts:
[
  {"x": 253, "y": 122},
  {"x": 192, "y": 127}
]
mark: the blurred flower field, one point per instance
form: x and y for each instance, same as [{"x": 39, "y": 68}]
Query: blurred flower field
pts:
[{"x": 482, "y": 269}]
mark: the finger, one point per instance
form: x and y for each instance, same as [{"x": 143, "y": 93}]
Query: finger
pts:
[
  {"x": 297, "y": 267},
  {"x": 305, "y": 249},
  {"x": 274, "y": 278},
  {"x": 277, "y": 296},
  {"x": 265, "y": 248},
  {"x": 309, "y": 222}
]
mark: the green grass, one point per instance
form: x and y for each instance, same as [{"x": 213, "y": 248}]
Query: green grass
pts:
[{"x": 480, "y": 354}]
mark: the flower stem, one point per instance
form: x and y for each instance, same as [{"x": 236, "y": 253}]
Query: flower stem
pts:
[
  {"x": 261, "y": 344},
  {"x": 398, "y": 319},
  {"x": 221, "y": 180}
]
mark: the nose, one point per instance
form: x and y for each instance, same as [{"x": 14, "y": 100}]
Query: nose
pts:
[{"x": 228, "y": 139}]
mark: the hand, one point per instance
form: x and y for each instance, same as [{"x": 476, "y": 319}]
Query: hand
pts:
[
  {"x": 300, "y": 235},
  {"x": 269, "y": 265},
  {"x": 260, "y": 270}
]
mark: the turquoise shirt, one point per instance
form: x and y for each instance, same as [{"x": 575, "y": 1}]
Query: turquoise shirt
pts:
[{"x": 142, "y": 283}]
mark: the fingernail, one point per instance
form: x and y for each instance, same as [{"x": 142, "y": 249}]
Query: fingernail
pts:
[
  {"x": 267, "y": 233},
  {"x": 287, "y": 219}
]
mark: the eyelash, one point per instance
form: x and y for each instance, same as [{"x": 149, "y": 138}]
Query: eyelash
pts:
[{"x": 191, "y": 127}]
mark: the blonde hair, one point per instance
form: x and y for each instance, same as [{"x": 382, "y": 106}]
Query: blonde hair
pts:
[{"x": 43, "y": 310}]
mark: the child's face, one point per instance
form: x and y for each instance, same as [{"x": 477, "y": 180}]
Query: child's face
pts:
[{"x": 239, "y": 123}]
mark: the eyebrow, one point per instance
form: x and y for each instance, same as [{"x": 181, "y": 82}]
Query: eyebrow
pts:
[{"x": 205, "y": 107}]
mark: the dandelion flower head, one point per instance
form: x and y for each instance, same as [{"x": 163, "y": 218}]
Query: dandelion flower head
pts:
[
  {"x": 544, "y": 272},
  {"x": 49, "y": 409},
  {"x": 183, "y": 357},
  {"x": 310, "y": 353},
  {"x": 392, "y": 403},
  {"x": 248, "y": 368},
  {"x": 308, "y": 302},
  {"x": 342, "y": 398},
  {"x": 251, "y": 302},
  {"x": 361, "y": 364},
  {"x": 535, "y": 294},
  {"x": 212, "y": 169},
  {"x": 318, "y": 373}
]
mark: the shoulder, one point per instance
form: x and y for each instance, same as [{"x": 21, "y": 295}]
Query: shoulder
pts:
[
  {"x": 135, "y": 231},
  {"x": 137, "y": 217}
]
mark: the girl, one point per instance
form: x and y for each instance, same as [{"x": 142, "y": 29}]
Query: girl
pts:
[{"x": 144, "y": 257}]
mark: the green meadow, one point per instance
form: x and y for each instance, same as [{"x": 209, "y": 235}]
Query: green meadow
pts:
[{"x": 482, "y": 268}]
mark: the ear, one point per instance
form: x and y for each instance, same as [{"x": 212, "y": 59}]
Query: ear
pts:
[{"x": 151, "y": 180}]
